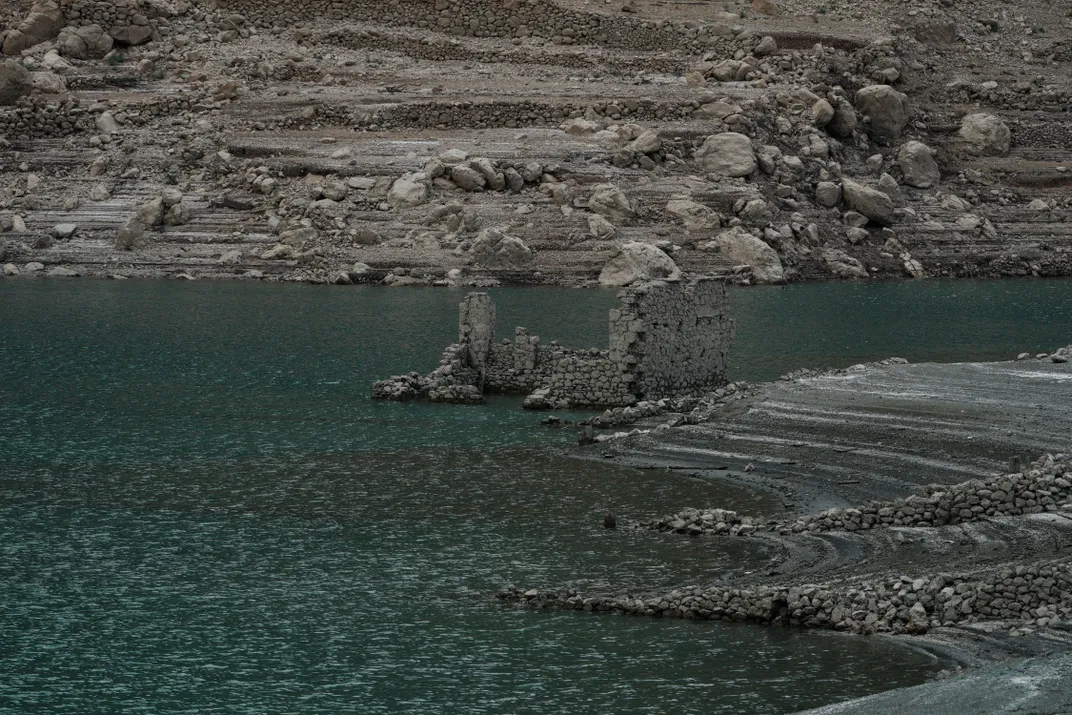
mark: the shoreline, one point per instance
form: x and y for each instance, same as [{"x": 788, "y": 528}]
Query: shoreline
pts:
[
  {"x": 829, "y": 418},
  {"x": 375, "y": 277}
]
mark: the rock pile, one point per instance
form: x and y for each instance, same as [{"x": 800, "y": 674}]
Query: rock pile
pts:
[
  {"x": 1046, "y": 486},
  {"x": 681, "y": 410},
  {"x": 1036, "y": 594},
  {"x": 698, "y": 522}
]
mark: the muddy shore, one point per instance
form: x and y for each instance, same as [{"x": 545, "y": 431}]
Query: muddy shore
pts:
[{"x": 876, "y": 435}]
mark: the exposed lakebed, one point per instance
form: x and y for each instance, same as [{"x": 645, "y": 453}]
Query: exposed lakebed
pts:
[{"x": 201, "y": 509}]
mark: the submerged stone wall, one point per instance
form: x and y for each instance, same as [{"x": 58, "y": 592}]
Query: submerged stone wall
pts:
[
  {"x": 674, "y": 338},
  {"x": 667, "y": 339}
]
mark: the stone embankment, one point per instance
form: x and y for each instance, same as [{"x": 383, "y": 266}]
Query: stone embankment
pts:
[
  {"x": 1037, "y": 594},
  {"x": 1045, "y": 486}
]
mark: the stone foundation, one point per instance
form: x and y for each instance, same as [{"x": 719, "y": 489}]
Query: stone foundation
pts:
[{"x": 666, "y": 339}]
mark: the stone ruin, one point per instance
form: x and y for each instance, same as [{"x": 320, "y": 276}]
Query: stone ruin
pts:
[{"x": 666, "y": 339}]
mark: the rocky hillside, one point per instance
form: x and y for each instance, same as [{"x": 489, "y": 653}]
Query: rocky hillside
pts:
[{"x": 353, "y": 141}]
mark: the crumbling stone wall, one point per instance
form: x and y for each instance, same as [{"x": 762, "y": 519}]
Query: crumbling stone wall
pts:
[
  {"x": 674, "y": 338},
  {"x": 591, "y": 379},
  {"x": 666, "y": 339}
]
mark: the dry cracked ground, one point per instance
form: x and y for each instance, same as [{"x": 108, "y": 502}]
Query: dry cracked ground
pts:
[{"x": 528, "y": 141}]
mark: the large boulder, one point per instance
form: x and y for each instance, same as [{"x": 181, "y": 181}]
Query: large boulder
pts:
[
  {"x": 468, "y": 178},
  {"x": 728, "y": 154},
  {"x": 872, "y": 203},
  {"x": 841, "y": 264},
  {"x": 695, "y": 216},
  {"x": 647, "y": 142},
  {"x": 609, "y": 201},
  {"x": 887, "y": 109},
  {"x": 600, "y": 228},
  {"x": 15, "y": 81},
  {"x": 44, "y": 22},
  {"x": 740, "y": 247},
  {"x": 918, "y": 165},
  {"x": 85, "y": 43},
  {"x": 408, "y": 191},
  {"x": 844, "y": 121},
  {"x": 986, "y": 134},
  {"x": 131, "y": 34},
  {"x": 48, "y": 82},
  {"x": 495, "y": 250},
  {"x": 130, "y": 234},
  {"x": 637, "y": 262}
]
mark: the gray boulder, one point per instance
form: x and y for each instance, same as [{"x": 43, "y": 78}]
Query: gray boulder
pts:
[
  {"x": 635, "y": 262},
  {"x": 132, "y": 34},
  {"x": 728, "y": 154},
  {"x": 695, "y": 216},
  {"x": 15, "y": 81},
  {"x": 822, "y": 112},
  {"x": 872, "y": 203},
  {"x": 827, "y": 194},
  {"x": 740, "y": 247},
  {"x": 130, "y": 234},
  {"x": 43, "y": 23},
  {"x": 408, "y": 191},
  {"x": 85, "y": 43},
  {"x": 468, "y": 178},
  {"x": 609, "y": 201},
  {"x": 887, "y": 109},
  {"x": 600, "y": 228},
  {"x": 647, "y": 142},
  {"x": 841, "y": 264},
  {"x": 844, "y": 121},
  {"x": 151, "y": 213},
  {"x": 986, "y": 134},
  {"x": 495, "y": 250},
  {"x": 918, "y": 165}
]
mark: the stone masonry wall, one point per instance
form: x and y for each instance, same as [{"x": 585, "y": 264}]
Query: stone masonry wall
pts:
[
  {"x": 675, "y": 338},
  {"x": 591, "y": 379},
  {"x": 666, "y": 339}
]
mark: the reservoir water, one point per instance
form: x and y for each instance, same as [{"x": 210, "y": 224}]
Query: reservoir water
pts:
[{"x": 201, "y": 511}]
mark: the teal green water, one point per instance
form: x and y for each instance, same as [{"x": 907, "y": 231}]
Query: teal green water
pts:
[{"x": 202, "y": 512}]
